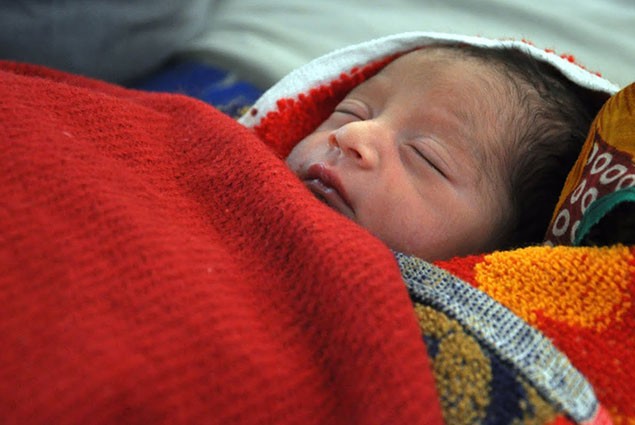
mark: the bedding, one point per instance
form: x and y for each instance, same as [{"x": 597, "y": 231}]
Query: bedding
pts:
[
  {"x": 115, "y": 40},
  {"x": 262, "y": 42},
  {"x": 522, "y": 339},
  {"x": 121, "y": 41},
  {"x": 160, "y": 264},
  {"x": 601, "y": 182},
  {"x": 210, "y": 84}
]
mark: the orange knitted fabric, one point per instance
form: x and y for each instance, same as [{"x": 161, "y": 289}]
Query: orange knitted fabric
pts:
[
  {"x": 159, "y": 264},
  {"x": 582, "y": 299}
]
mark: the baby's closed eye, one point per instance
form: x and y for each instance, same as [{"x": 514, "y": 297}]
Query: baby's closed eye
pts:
[
  {"x": 354, "y": 108},
  {"x": 421, "y": 156}
]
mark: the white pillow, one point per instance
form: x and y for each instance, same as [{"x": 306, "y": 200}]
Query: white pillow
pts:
[{"x": 264, "y": 40}]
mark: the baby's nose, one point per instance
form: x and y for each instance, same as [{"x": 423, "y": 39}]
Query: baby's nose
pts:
[{"x": 357, "y": 141}]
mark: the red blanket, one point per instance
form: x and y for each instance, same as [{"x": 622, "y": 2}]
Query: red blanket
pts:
[{"x": 159, "y": 264}]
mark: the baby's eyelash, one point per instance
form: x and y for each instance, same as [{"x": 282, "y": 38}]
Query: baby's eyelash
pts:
[
  {"x": 427, "y": 160},
  {"x": 354, "y": 108},
  {"x": 349, "y": 112}
]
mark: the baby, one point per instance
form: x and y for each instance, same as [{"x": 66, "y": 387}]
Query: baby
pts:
[{"x": 449, "y": 150}]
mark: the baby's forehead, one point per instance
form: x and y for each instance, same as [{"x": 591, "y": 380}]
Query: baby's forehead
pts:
[
  {"x": 474, "y": 89},
  {"x": 448, "y": 65},
  {"x": 480, "y": 96},
  {"x": 446, "y": 77},
  {"x": 437, "y": 52},
  {"x": 495, "y": 63}
]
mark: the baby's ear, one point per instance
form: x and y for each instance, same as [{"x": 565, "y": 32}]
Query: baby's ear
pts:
[{"x": 597, "y": 203}]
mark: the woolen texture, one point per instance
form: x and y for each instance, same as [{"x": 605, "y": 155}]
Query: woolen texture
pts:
[{"x": 159, "y": 264}]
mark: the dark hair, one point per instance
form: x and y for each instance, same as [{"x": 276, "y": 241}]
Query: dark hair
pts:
[{"x": 548, "y": 130}]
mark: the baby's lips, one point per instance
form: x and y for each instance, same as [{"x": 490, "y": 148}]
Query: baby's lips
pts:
[{"x": 328, "y": 188}]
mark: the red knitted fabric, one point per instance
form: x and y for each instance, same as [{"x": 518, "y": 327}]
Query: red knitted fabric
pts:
[{"x": 159, "y": 264}]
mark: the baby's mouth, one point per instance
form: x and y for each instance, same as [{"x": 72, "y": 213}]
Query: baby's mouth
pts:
[{"x": 327, "y": 188}]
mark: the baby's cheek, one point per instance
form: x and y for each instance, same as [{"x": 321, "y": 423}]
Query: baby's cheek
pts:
[
  {"x": 303, "y": 152},
  {"x": 294, "y": 159},
  {"x": 395, "y": 228}
]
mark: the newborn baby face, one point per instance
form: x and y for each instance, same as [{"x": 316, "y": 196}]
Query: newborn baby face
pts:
[{"x": 404, "y": 153}]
